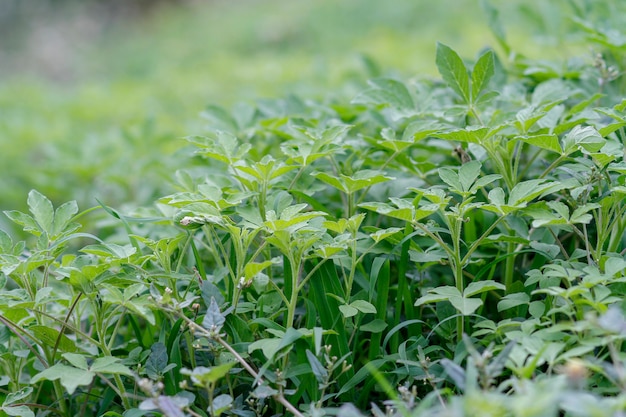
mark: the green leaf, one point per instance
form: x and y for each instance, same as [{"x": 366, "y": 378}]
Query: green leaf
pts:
[
  {"x": 18, "y": 411},
  {"x": 62, "y": 216},
  {"x": 6, "y": 243},
  {"x": 79, "y": 361},
  {"x": 318, "y": 369},
  {"x": 14, "y": 397},
  {"x": 587, "y": 138},
  {"x": 546, "y": 141},
  {"x": 478, "y": 287},
  {"x": 157, "y": 361},
  {"x": 453, "y": 71},
  {"x": 513, "y": 300},
  {"x": 450, "y": 177},
  {"x": 468, "y": 174},
  {"x": 364, "y": 306},
  {"x": 386, "y": 91},
  {"x": 70, "y": 377},
  {"x": 374, "y": 326},
  {"x": 110, "y": 365},
  {"x": 348, "y": 310},
  {"x": 49, "y": 336},
  {"x": 466, "y": 306},
  {"x": 213, "y": 319},
  {"x": 42, "y": 210},
  {"x": 482, "y": 73}
]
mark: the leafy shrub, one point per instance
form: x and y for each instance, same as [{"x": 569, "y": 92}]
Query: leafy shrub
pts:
[{"x": 431, "y": 248}]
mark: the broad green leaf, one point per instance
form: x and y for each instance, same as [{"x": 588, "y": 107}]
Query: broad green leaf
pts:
[
  {"x": 79, "y": 361},
  {"x": 442, "y": 293},
  {"x": 478, "y": 287},
  {"x": 17, "y": 411},
  {"x": 253, "y": 268},
  {"x": 586, "y": 138},
  {"x": 453, "y": 71},
  {"x": 203, "y": 376},
  {"x": 549, "y": 142},
  {"x": 468, "y": 174},
  {"x": 110, "y": 365},
  {"x": 374, "y": 326},
  {"x": 70, "y": 377},
  {"x": 348, "y": 310},
  {"x": 6, "y": 243},
  {"x": 451, "y": 177},
  {"x": 466, "y": 306},
  {"x": 62, "y": 216},
  {"x": 14, "y": 397},
  {"x": 363, "y": 306},
  {"x": 42, "y": 210},
  {"x": 50, "y": 337},
  {"x": 482, "y": 73},
  {"x": 386, "y": 91},
  {"x": 513, "y": 300},
  {"x": 27, "y": 222},
  {"x": 213, "y": 319}
]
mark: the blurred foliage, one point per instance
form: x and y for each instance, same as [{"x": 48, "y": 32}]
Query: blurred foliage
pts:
[{"x": 95, "y": 96}]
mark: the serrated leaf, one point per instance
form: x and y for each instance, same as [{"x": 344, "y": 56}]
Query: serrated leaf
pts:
[
  {"x": 453, "y": 71},
  {"x": 482, "y": 73}
]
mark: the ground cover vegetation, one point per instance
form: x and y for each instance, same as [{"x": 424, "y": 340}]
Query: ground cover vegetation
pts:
[{"x": 449, "y": 246}]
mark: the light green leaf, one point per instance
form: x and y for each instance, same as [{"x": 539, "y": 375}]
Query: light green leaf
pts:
[
  {"x": 18, "y": 411},
  {"x": 513, "y": 300},
  {"x": 468, "y": 174},
  {"x": 478, "y": 287},
  {"x": 450, "y": 177},
  {"x": 374, "y": 326},
  {"x": 386, "y": 91},
  {"x": 42, "y": 210},
  {"x": 14, "y": 397},
  {"x": 453, "y": 71},
  {"x": 63, "y": 215},
  {"x": 50, "y": 337},
  {"x": 110, "y": 365},
  {"x": 546, "y": 141},
  {"x": 482, "y": 73},
  {"x": 466, "y": 306},
  {"x": 587, "y": 138},
  {"x": 70, "y": 377},
  {"x": 364, "y": 306},
  {"x": 79, "y": 361},
  {"x": 348, "y": 310}
]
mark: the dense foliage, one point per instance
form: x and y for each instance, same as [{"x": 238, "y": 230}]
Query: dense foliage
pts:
[{"x": 433, "y": 247}]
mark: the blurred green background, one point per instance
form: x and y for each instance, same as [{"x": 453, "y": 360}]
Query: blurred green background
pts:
[{"x": 95, "y": 96}]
